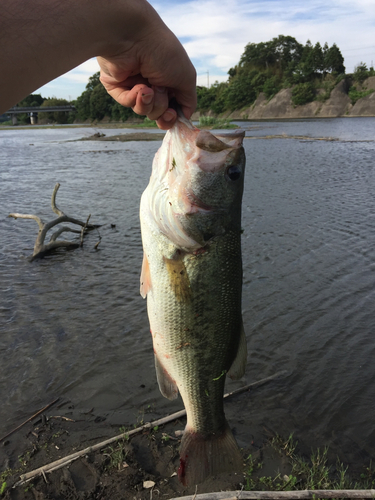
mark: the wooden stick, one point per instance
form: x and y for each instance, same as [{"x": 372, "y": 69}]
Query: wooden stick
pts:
[
  {"x": 280, "y": 495},
  {"x": 84, "y": 229},
  {"x": 256, "y": 384},
  {"x": 28, "y": 420},
  {"x": 57, "y": 464},
  {"x": 53, "y": 201}
]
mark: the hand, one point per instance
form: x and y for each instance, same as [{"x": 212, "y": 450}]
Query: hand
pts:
[
  {"x": 148, "y": 74},
  {"x": 142, "y": 63}
]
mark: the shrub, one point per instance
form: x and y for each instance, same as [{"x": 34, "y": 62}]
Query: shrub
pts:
[
  {"x": 271, "y": 86},
  {"x": 303, "y": 93},
  {"x": 355, "y": 94},
  {"x": 361, "y": 72}
]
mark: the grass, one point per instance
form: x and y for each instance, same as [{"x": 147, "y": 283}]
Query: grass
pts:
[
  {"x": 3, "y": 480},
  {"x": 116, "y": 456},
  {"x": 312, "y": 473},
  {"x": 147, "y": 123},
  {"x": 217, "y": 123}
]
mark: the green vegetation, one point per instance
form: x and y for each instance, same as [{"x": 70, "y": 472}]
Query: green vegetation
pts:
[
  {"x": 303, "y": 93},
  {"x": 271, "y": 66},
  {"x": 359, "y": 76},
  {"x": 361, "y": 73},
  {"x": 355, "y": 94},
  {"x": 3, "y": 480},
  {"x": 57, "y": 116},
  {"x": 311, "y": 473},
  {"x": 95, "y": 104},
  {"x": 212, "y": 122},
  {"x": 116, "y": 456}
]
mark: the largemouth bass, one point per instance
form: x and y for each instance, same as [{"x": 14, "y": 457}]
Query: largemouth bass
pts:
[{"x": 192, "y": 277}]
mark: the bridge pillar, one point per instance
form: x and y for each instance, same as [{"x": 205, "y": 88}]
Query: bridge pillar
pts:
[
  {"x": 14, "y": 120},
  {"x": 33, "y": 118}
]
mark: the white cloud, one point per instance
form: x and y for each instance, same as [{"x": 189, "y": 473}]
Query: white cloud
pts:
[
  {"x": 217, "y": 32},
  {"x": 70, "y": 85},
  {"x": 83, "y": 72}
]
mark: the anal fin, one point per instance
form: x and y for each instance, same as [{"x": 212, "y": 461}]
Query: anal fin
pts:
[
  {"x": 167, "y": 385},
  {"x": 238, "y": 367}
]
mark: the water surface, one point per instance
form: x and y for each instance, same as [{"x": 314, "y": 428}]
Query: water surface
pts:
[{"x": 74, "y": 325}]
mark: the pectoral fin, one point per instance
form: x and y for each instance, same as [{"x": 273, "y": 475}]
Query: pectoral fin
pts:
[
  {"x": 238, "y": 367},
  {"x": 145, "y": 277},
  {"x": 167, "y": 385},
  {"x": 178, "y": 279}
]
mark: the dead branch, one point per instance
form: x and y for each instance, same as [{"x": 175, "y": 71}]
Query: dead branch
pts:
[
  {"x": 27, "y": 216},
  {"x": 149, "y": 425},
  {"x": 62, "y": 230},
  {"x": 41, "y": 248},
  {"x": 53, "y": 200},
  {"x": 84, "y": 229}
]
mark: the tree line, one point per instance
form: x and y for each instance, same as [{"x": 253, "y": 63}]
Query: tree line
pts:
[{"x": 264, "y": 67}]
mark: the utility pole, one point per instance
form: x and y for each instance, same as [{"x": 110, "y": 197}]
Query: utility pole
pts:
[{"x": 208, "y": 79}]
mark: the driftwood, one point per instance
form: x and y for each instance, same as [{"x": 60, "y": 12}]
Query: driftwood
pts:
[
  {"x": 280, "y": 495},
  {"x": 57, "y": 464},
  {"x": 41, "y": 248}
]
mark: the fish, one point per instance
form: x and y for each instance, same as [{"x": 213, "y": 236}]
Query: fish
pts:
[{"x": 190, "y": 215}]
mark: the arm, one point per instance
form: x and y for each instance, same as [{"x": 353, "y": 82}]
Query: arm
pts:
[{"x": 142, "y": 62}]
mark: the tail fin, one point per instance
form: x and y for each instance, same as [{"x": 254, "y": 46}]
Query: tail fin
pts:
[{"x": 202, "y": 456}]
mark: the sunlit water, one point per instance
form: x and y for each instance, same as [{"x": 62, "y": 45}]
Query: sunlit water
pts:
[{"x": 74, "y": 325}]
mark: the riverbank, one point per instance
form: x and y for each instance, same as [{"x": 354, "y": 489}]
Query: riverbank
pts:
[
  {"x": 279, "y": 107},
  {"x": 130, "y": 467},
  {"x": 144, "y": 465},
  {"x": 338, "y": 104}
]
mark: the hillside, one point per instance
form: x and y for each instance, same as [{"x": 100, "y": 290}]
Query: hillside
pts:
[{"x": 338, "y": 104}]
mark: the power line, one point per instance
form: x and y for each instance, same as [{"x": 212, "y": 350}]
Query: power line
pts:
[{"x": 359, "y": 48}]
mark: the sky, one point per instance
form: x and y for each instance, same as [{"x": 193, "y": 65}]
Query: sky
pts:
[{"x": 215, "y": 33}]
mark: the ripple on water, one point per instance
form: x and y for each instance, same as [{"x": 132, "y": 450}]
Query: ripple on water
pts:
[{"x": 74, "y": 324}]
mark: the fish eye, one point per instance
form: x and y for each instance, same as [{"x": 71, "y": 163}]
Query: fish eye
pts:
[{"x": 233, "y": 173}]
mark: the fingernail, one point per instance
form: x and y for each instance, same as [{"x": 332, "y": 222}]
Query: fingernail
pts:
[
  {"x": 147, "y": 98},
  {"x": 168, "y": 116},
  {"x": 162, "y": 90}
]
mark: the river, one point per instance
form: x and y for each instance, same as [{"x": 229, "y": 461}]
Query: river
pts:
[{"x": 73, "y": 324}]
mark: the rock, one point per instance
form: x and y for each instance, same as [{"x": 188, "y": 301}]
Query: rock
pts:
[{"x": 148, "y": 484}]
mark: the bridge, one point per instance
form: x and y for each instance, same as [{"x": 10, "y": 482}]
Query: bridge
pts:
[{"x": 33, "y": 111}]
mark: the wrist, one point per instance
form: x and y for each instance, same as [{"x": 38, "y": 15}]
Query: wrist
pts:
[{"x": 123, "y": 23}]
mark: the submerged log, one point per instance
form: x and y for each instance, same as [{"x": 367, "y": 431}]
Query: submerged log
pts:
[{"x": 41, "y": 248}]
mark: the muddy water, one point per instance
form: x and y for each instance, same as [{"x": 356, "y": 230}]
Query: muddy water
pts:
[{"x": 74, "y": 325}]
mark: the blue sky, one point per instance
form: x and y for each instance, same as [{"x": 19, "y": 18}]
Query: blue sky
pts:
[{"x": 215, "y": 33}]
